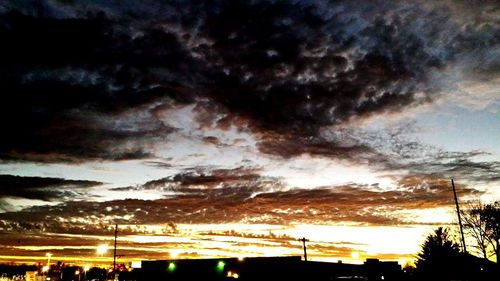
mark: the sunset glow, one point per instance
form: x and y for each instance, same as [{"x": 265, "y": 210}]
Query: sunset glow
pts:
[{"x": 211, "y": 129}]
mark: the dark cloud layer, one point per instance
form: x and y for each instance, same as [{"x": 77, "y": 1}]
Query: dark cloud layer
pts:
[
  {"x": 85, "y": 81},
  {"x": 65, "y": 86},
  {"x": 40, "y": 188},
  {"x": 228, "y": 197},
  {"x": 458, "y": 165}
]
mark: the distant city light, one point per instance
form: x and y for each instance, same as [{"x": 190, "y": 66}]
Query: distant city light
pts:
[
  {"x": 77, "y": 272},
  {"x": 234, "y": 275},
  {"x": 220, "y": 266},
  {"x": 45, "y": 268},
  {"x": 171, "y": 267},
  {"x": 102, "y": 249},
  {"x": 136, "y": 264},
  {"x": 86, "y": 267}
]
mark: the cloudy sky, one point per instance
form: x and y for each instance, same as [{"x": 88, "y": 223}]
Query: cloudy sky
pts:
[{"x": 233, "y": 128}]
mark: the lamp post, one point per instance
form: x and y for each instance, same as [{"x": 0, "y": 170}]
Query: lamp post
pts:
[
  {"x": 85, "y": 269},
  {"x": 48, "y": 258},
  {"x": 47, "y": 267}
]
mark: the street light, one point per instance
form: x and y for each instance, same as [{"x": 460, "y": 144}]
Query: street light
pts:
[
  {"x": 48, "y": 258},
  {"x": 45, "y": 269},
  {"x": 171, "y": 267},
  {"x": 220, "y": 267},
  {"x": 85, "y": 269}
]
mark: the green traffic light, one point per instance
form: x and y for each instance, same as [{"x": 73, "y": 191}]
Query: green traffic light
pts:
[
  {"x": 171, "y": 267},
  {"x": 220, "y": 266}
]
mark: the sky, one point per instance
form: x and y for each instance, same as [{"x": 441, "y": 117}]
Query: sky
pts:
[{"x": 234, "y": 128}]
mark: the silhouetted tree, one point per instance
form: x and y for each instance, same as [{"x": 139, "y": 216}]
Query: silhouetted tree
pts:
[
  {"x": 475, "y": 226},
  {"x": 96, "y": 273},
  {"x": 482, "y": 222},
  {"x": 438, "y": 258},
  {"x": 491, "y": 215}
]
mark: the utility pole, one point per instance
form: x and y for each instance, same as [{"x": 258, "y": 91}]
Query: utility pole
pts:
[
  {"x": 304, "y": 240},
  {"x": 114, "y": 255},
  {"x": 458, "y": 214}
]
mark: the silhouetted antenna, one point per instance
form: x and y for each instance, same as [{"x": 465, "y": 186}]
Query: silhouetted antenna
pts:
[
  {"x": 304, "y": 240},
  {"x": 114, "y": 255},
  {"x": 459, "y": 218}
]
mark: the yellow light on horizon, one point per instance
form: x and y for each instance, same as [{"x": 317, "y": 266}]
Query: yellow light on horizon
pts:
[
  {"x": 102, "y": 249},
  {"x": 406, "y": 262},
  {"x": 175, "y": 253},
  {"x": 359, "y": 242}
]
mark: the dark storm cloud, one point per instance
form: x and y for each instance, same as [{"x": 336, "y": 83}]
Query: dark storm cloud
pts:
[
  {"x": 281, "y": 69},
  {"x": 77, "y": 89},
  {"x": 41, "y": 188}
]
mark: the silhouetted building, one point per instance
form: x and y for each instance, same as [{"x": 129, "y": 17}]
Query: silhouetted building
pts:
[
  {"x": 278, "y": 268},
  {"x": 382, "y": 270},
  {"x": 267, "y": 268}
]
